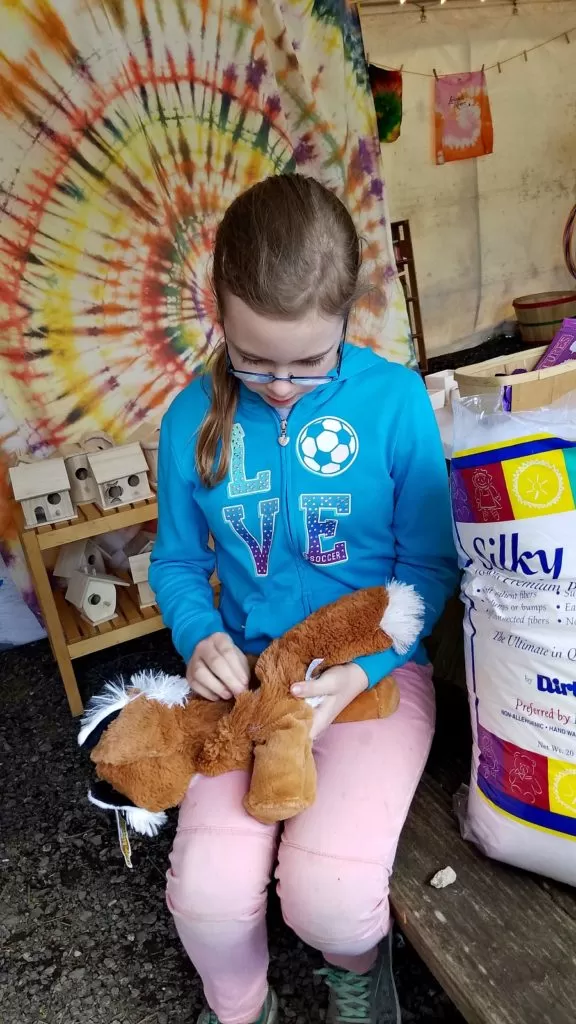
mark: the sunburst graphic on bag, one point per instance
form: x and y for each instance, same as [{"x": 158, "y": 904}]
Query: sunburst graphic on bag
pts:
[
  {"x": 538, "y": 484},
  {"x": 564, "y": 788}
]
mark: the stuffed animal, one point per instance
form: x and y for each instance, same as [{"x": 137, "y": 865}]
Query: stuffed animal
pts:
[{"x": 148, "y": 739}]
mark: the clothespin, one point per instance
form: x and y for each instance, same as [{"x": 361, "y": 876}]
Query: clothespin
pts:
[
  {"x": 567, "y": 37},
  {"x": 499, "y": 66},
  {"x": 435, "y": 73},
  {"x": 483, "y": 66},
  {"x": 401, "y": 68},
  {"x": 525, "y": 56}
]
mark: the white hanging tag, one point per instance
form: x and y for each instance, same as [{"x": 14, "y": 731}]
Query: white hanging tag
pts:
[{"x": 314, "y": 702}]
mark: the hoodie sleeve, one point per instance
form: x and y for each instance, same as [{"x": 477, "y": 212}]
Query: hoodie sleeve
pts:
[
  {"x": 422, "y": 524},
  {"x": 182, "y": 561}
]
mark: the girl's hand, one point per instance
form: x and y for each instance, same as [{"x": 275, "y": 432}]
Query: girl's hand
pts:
[
  {"x": 218, "y": 670},
  {"x": 338, "y": 686}
]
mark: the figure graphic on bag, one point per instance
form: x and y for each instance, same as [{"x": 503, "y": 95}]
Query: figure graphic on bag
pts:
[
  {"x": 304, "y": 468},
  {"x": 488, "y": 501}
]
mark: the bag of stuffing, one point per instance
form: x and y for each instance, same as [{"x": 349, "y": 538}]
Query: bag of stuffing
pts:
[{"x": 514, "y": 506}]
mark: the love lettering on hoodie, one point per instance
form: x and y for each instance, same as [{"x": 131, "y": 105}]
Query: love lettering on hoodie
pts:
[{"x": 312, "y": 506}]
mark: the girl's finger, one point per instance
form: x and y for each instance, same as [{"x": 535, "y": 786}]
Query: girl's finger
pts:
[
  {"x": 227, "y": 672},
  {"x": 324, "y": 686},
  {"x": 235, "y": 659},
  {"x": 239, "y": 663},
  {"x": 203, "y": 691},
  {"x": 205, "y": 678}
]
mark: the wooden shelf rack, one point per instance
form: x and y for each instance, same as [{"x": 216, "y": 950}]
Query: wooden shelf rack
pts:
[
  {"x": 404, "y": 257},
  {"x": 70, "y": 635}
]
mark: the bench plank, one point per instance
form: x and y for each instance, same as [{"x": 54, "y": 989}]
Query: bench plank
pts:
[{"x": 501, "y": 943}]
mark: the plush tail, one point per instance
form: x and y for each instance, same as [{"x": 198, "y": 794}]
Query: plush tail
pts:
[{"x": 404, "y": 616}]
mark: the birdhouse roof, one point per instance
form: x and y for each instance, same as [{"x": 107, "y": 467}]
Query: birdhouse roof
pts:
[
  {"x": 100, "y": 577},
  {"x": 103, "y": 578},
  {"x": 117, "y": 462},
  {"x": 36, "y": 479}
]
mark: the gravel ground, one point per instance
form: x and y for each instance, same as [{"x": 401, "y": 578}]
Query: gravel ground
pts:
[{"x": 83, "y": 940}]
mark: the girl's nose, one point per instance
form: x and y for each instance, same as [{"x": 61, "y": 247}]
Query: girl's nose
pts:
[{"x": 280, "y": 388}]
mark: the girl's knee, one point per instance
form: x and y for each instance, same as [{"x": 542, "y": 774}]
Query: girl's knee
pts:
[
  {"x": 216, "y": 875},
  {"x": 334, "y": 905}
]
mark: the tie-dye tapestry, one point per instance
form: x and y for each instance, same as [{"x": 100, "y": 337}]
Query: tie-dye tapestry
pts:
[{"x": 126, "y": 127}]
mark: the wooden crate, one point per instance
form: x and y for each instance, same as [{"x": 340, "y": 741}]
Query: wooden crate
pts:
[
  {"x": 70, "y": 636},
  {"x": 534, "y": 389}
]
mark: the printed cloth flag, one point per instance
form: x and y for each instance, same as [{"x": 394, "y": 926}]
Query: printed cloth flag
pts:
[
  {"x": 386, "y": 88},
  {"x": 127, "y": 128},
  {"x": 463, "y": 121}
]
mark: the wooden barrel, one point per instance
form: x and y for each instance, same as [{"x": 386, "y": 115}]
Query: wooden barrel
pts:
[{"x": 540, "y": 315}]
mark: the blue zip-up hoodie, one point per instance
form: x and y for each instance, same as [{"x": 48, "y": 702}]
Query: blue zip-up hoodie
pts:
[{"x": 350, "y": 491}]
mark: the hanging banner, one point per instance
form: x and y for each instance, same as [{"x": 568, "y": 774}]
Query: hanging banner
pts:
[
  {"x": 463, "y": 120},
  {"x": 386, "y": 88}
]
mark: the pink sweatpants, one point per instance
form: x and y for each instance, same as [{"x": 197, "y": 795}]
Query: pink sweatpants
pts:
[{"x": 333, "y": 861}]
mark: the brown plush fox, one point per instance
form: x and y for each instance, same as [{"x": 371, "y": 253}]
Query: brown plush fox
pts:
[{"x": 148, "y": 739}]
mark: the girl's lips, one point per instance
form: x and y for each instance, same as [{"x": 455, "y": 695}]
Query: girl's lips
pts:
[{"x": 280, "y": 402}]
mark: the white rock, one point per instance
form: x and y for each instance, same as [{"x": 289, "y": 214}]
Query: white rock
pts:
[{"x": 443, "y": 878}]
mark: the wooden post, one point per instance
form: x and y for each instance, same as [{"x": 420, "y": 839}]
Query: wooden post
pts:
[{"x": 52, "y": 619}]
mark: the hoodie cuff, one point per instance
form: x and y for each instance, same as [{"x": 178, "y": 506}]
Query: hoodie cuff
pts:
[{"x": 378, "y": 666}]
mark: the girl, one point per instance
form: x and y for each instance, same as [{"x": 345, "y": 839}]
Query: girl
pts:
[{"x": 317, "y": 469}]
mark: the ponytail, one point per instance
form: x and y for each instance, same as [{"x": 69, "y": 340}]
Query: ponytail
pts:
[{"x": 218, "y": 422}]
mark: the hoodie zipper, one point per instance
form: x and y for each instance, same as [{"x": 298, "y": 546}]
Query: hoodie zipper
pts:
[
  {"x": 284, "y": 441},
  {"x": 283, "y": 438}
]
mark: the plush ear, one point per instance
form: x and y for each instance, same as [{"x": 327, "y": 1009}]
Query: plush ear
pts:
[
  {"x": 404, "y": 616},
  {"x": 102, "y": 710},
  {"x": 124, "y": 723}
]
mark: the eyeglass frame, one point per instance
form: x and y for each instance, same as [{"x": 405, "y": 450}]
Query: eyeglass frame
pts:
[{"x": 250, "y": 377}]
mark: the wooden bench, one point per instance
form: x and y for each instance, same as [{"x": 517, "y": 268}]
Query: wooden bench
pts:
[{"x": 501, "y": 942}]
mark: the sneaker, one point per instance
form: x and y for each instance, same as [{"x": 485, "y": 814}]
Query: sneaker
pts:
[
  {"x": 269, "y": 1014},
  {"x": 364, "y": 998},
  {"x": 385, "y": 1005}
]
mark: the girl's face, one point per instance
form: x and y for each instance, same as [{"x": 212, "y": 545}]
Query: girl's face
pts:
[{"x": 303, "y": 348}]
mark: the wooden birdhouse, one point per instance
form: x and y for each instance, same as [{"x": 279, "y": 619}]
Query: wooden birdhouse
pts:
[
  {"x": 79, "y": 556},
  {"x": 120, "y": 475},
  {"x": 139, "y": 566},
  {"x": 94, "y": 595},
  {"x": 149, "y": 439},
  {"x": 82, "y": 484},
  {"x": 43, "y": 489}
]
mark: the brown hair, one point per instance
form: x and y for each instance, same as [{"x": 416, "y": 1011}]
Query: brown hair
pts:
[{"x": 286, "y": 247}]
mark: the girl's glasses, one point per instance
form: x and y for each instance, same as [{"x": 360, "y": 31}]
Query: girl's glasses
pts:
[{"x": 309, "y": 380}]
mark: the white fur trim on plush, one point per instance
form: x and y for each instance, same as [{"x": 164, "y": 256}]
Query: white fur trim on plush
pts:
[
  {"x": 404, "y": 617},
  {"x": 170, "y": 690},
  {"x": 113, "y": 698},
  {"x": 147, "y": 823}
]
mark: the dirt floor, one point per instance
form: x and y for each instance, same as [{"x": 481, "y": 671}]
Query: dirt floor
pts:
[{"x": 84, "y": 940}]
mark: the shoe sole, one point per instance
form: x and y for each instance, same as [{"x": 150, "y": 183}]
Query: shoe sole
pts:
[
  {"x": 390, "y": 971},
  {"x": 272, "y": 1017}
]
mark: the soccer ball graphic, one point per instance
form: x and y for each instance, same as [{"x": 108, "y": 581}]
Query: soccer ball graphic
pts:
[{"x": 327, "y": 446}]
